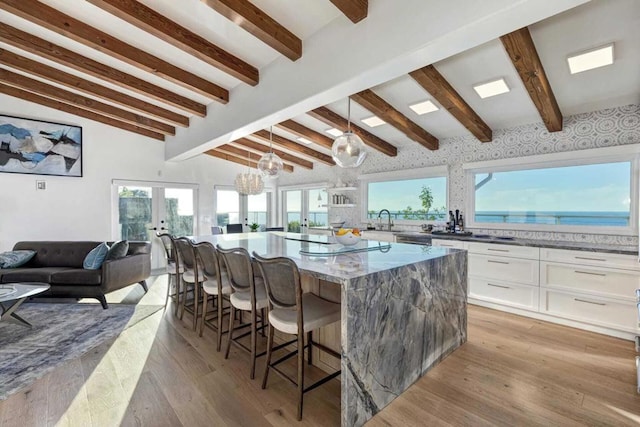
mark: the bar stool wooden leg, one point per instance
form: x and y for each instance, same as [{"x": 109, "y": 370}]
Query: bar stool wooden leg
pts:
[
  {"x": 205, "y": 300},
  {"x": 269, "y": 352},
  {"x": 166, "y": 300},
  {"x": 230, "y": 337},
  {"x": 300, "y": 373},
  {"x": 254, "y": 340},
  {"x": 262, "y": 319},
  {"x": 196, "y": 304},
  {"x": 309, "y": 352},
  {"x": 220, "y": 316},
  {"x": 184, "y": 298}
]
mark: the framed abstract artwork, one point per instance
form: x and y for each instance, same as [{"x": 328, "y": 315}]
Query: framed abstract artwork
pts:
[{"x": 39, "y": 147}]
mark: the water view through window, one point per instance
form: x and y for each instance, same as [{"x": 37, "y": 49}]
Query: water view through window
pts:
[
  {"x": 585, "y": 195},
  {"x": 422, "y": 199}
]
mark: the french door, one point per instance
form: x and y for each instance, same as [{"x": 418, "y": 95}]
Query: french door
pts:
[
  {"x": 304, "y": 208},
  {"x": 142, "y": 209}
]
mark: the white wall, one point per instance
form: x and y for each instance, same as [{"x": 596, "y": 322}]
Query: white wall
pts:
[
  {"x": 80, "y": 208},
  {"x": 604, "y": 128}
]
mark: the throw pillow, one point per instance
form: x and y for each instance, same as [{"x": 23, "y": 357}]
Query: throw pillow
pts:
[
  {"x": 15, "y": 259},
  {"x": 95, "y": 258},
  {"x": 118, "y": 250}
]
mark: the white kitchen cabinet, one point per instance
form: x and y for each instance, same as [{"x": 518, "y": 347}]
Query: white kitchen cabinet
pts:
[
  {"x": 496, "y": 249},
  {"x": 504, "y": 293},
  {"x": 381, "y": 236},
  {"x": 627, "y": 262},
  {"x": 446, "y": 243},
  {"x": 505, "y": 269}
]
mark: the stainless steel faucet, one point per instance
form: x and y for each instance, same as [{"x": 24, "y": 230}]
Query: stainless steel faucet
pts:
[{"x": 389, "y": 214}]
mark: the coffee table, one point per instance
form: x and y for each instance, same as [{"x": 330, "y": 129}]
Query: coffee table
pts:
[{"x": 12, "y": 295}]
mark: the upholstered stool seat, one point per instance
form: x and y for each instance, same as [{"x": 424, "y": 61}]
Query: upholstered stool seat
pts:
[
  {"x": 318, "y": 312},
  {"x": 242, "y": 300},
  {"x": 210, "y": 285}
]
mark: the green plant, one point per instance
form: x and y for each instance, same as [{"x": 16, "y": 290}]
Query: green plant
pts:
[{"x": 254, "y": 226}]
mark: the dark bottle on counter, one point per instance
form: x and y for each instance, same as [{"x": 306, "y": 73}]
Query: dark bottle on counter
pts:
[{"x": 461, "y": 223}]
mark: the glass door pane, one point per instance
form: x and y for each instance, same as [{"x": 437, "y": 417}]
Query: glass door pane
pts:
[
  {"x": 227, "y": 207},
  {"x": 135, "y": 220},
  {"x": 293, "y": 210},
  {"x": 257, "y": 209},
  {"x": 317, "y": 214},
  {"x": 178, "y": 215}
]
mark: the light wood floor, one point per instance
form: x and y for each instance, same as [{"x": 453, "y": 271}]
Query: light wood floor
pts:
[{"x": 512, "y": 371}]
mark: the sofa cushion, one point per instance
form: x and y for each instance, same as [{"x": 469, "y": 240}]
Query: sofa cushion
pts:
[
  {"x": 13, "y": 259},
  {"x": 118, "y": 250},
  {"x": 42, "y": 274},
  {"x": 57, "y": 254},
  {"x": 95, "y": 258},
  {"x": 77, "y": 277}
]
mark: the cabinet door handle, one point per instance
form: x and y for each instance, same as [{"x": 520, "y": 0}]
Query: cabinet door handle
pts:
[
  {"x": 590, "y": 259},
  {"x": 498, "y": 250},
  {"x": 498, "y": 286},
  {"x": 497, "y": 262},
  {"x": 590, "y": 273},
  {"x": 589, "y": 302}
]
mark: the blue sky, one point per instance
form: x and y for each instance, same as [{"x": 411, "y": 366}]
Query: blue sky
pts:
[
  {"x": 397, "y": 195},
  {"x": 596, "y": 188}
]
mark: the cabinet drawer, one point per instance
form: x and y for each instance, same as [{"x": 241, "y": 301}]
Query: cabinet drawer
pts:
[
  {"x": 629, "y": 262},
  {"x": 603, "y": 281},
  {"x": 448, "y": 243},
  {"x": 504, "y": 250},
  {"x": 589, "y": 309},
  {"x": 523, "y": 271},
  {"x": 521, "y": 296}
]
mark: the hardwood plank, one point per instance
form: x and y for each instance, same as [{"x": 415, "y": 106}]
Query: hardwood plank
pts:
[
  {"x": 230, "y": 149},
  {"x": 68, "y": 404},
  {"x": 28, "y": 407},
  {"x": 48, "y": 102},
  {"x": 332, "y": 119},
  {"x": 261, "y": 25},
  {"x": 149, "y": 406},
  {"x": 89, "y": 104},
  {"x": 304, "y": 132},
  {"x": 355, "y": 10},
  {"x": 378, "y": 106},
  {"x": 85, "y": 86},
  {"x": 260, "y": 148},
  {"x": 434, "y": 83},
  {"x": 68, "y": 58},
  {"x": 522, "y": 51},
  {"x": 145, "y": 18},
  {"x": 294, "y": 146},
  {"x": 50, "y": 18}
]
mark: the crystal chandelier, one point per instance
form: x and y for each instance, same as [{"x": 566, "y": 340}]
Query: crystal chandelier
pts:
[
  {"x": 249, "y": 183},
  {"x": 348, "y": 150},
  {"x": 270, "y": 164}
]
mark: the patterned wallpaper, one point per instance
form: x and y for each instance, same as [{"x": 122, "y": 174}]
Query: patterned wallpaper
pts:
[{"x": 603, "y": 128}]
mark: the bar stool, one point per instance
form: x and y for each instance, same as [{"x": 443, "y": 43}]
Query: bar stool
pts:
[
  {"x": 174, "y": 269},
  {"x": 248, "y": 295},
  {"x": 187, "y": 257},
  {"x": 215, "y": 283},
  {"x": 296, "y": 313}
]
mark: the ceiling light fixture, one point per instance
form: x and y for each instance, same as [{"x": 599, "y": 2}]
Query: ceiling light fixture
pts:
[
  {"x": 373, "y": 121},
  {"x": 424, "y": 107},
  {"x": 348, "y": 150},
  {"x": 270, "y": 164},
  {"x": 249, "y": 183},
  {"x": 594, "y": 58},
  {"x": 492, "y": 88},
  {"x": 334, "y": 132},
  {"x": 305, "y": 141}
]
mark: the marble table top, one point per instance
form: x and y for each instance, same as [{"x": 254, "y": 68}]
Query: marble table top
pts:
[{"x": 335, "y": 268}]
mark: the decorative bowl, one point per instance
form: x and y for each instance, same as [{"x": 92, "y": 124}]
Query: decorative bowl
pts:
[
  {"x": 348, "y": 239},
  {"x": 337, "y": 224}
]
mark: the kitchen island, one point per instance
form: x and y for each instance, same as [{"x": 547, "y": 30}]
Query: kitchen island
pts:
[{"x": 403, "y": 308}]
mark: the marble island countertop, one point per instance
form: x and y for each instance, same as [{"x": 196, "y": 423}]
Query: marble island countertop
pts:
[{"x": 538, "y": 243}]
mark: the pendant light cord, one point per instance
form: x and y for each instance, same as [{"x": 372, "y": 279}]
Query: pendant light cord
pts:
[
  {"x": 349, "y": 114},
  {"x": 271, "y": 139}
]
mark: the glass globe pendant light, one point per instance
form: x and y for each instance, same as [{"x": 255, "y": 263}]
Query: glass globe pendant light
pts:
[
  {"x": 270, "y": 164},
  {"x": 249, "y": 183},
  {"x": 348, "y": 150}
]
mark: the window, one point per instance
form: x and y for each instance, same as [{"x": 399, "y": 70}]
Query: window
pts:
[
  {"x": 227, "y": 207},
  {"x": 416, "y": 195},
  {"x": 304, "y": 206},
  {"x": 579, "y": 195},
  {"x": 257, "y": 209}
]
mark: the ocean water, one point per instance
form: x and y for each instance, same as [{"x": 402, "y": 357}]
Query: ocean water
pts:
[{"x": 611, "y": 219}]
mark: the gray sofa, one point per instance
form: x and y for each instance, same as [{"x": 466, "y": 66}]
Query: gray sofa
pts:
[{"x": 60, "y": 265}]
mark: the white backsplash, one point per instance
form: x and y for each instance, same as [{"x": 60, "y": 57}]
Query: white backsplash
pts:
[{"x": 603, "y": 128}]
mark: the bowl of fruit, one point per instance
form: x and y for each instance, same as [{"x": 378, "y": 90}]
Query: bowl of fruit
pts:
[{"x": 348, "y": 236}]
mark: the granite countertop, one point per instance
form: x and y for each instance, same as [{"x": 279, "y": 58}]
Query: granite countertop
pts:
[{"x": 552, "y": 244}]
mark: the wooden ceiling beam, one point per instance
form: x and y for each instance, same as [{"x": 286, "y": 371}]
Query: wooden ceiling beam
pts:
[
  {"x": 54, "y": 20},
  {"x": 355, "y": 10},
  {"x": 294, "y": 146},
  {"x": 434, "y": 83},
  {"x": 62, "y": 56},
  {"x": 327, "y": 116},
  {"x": 381, "y": 108},
  {"x": 230, "y": 149},
  {"x": 147, "y": 19},
  {"x": 87, "y": 87},
  {"x": 260, "y": 25},
  {"x": 235, "y": 159},
  {"x": 257, "y": 147},
  {"x": 304, "y": 132},
  {"x": 53, "y": 92},
  {"x": 61, "y": 106},
  {"x": 522, "y": 51}
]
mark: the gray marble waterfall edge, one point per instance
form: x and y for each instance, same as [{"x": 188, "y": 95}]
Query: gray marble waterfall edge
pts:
[
  {"x": 399, "y": 324},
  {"x": 60, "y": 332}
]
